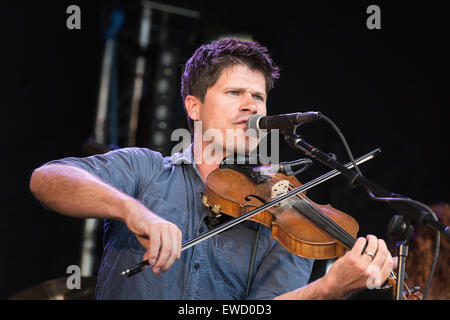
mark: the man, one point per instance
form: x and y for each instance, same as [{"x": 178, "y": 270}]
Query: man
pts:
[{"x": 151, "y": 204}]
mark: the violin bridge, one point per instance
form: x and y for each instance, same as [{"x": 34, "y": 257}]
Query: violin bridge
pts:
[{"x": 280, "y": 188}]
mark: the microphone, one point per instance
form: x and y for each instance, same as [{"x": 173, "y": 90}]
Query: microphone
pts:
[
  {"x": 288, "y": 168},
  {"x": 283, "y": 121}
]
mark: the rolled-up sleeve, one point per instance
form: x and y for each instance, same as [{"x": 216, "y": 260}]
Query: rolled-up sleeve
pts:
[
  {"x": 280, "y": 272},
  {"x": 127, "y": 169}
]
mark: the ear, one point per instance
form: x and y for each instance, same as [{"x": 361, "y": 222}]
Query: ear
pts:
[{"x": 193, "y": 106}]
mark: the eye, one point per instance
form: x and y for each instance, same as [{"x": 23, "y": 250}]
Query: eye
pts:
[
  {"x": 233, "y": 92},
  {"x": 257, "y": 97}
]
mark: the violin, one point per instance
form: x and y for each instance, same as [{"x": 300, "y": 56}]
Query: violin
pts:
[{"x": 303, "y": 227}]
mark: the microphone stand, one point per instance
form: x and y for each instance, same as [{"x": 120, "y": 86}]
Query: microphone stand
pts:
[{"x": 409, "y": 209}]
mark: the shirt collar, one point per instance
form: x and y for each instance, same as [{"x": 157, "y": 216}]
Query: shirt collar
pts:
[{"x": 186, "y": 157}]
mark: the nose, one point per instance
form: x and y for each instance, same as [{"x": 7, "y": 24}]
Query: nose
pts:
[{"x": 248, "y": 104}]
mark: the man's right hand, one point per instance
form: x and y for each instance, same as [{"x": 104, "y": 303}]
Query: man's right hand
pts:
[
  {"x": 77, "y": 193},
  {"x": 161, "y": 238}
]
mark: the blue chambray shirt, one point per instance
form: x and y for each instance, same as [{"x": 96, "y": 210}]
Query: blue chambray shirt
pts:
[{"x": 216, "y": 268}]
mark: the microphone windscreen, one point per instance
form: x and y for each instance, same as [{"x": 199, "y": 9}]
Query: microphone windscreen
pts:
[{"x": 252, "y": 125}]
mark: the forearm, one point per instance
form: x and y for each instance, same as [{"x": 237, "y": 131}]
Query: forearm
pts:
[
  {"x": 75, "y": 192},
  {"x": 317, "y": 290}
]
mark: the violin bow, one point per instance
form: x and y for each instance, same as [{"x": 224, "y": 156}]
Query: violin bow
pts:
[{"x": 190, "y": 243}]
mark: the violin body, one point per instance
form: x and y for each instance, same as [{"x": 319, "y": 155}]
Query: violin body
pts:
[
  {"x": 233, "y": 193},
  {"x": 310, "y": 241}
]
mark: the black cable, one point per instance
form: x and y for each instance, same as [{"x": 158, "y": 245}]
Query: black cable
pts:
[
  {"x": 344, "y": 142},
  {"x": 252, "y": 262},
  {"x": 372, "y": 196}
]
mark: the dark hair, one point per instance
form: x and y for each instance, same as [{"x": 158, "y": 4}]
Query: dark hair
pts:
[{"x": 202, "y": 70}]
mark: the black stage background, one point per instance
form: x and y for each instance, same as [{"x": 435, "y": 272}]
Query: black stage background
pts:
[{"x": 384, "y": 88}]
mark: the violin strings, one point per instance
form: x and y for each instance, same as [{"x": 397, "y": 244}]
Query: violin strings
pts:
[{"x": 323, "y": 221}]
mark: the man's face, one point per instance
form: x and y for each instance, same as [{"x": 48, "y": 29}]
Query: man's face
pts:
[{"x": 238, "y": 93}]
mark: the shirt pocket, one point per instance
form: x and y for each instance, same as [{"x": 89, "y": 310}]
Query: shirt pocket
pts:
[{"x": 166, "y": 210}]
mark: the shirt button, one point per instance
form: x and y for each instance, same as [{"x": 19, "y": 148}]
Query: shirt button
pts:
[{"x": 196, "y": 266}]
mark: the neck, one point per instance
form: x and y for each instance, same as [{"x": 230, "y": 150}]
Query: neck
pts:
[{"x": 205, "y": 158}]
